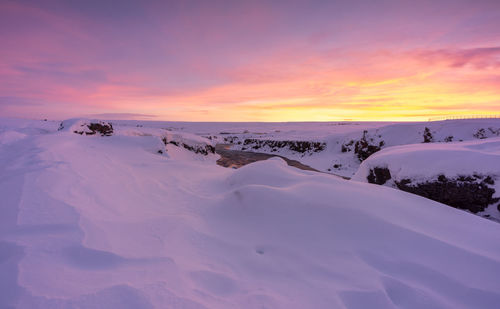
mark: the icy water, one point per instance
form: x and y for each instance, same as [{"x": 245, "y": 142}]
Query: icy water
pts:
[{"x": 238, "y": 158}]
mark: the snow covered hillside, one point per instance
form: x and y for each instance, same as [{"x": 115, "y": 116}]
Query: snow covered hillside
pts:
[
  {"x": 465, "y": 175},
  {"x": 340, "y": 147},
  {"x": 92, "y": 221}
]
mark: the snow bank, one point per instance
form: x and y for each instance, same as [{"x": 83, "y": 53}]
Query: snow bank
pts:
[
  {"x": 105, "y": 222},
  {"x": 435, "y": 162}
]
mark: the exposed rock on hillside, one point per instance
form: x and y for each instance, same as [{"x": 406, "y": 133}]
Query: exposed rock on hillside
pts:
[
  {"x": 463, "y": 175},
  {"x": 364, "y": 147},
  {"x": 101, "y": 127},
  {"x": 204, "y": 149},
  {"x": 428, "y": 137},
  {"x": 303, "y": 147},
  {"x": 471, "y": 192},
  {"x": 379, "y": 175}
]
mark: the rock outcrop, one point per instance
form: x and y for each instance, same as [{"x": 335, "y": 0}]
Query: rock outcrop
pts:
[{"x": 93, "y": 128}]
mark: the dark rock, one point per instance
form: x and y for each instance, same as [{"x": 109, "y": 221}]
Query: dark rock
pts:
[
  {"x": 364, "y": 147},
  {"x": 297, "y": 146},
  {"x": 494, "y": 131},
  {"x": 489, "y": 180},
  {"x": 464, "y": 192},
  {"x": 379, "y": 175},
  {"x": 465, "y": 178},
  {"x": 200, "y": 149},
  {"x": 428, "y": 138},
  {"x": 105, "y": 129},
  {"x": 232, "y": 140},
  {"x": 480, "y": 134},
  {"x": 346, "y": 147},
  {"x": 204, "y": 150}
]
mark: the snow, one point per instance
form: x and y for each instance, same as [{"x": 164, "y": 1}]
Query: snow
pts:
[
  {"x": 333, "y": 160},
  {"x": 10, "y": 137},
  {"x": 107, "y": 222},
  {"x": 334, "y": 134},
  {"x": 424, "y": 162}
]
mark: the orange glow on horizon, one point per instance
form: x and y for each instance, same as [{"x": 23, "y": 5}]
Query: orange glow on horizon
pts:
[{"x": 250, "y": 61}]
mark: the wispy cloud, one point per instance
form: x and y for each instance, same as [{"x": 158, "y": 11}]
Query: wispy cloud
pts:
[
  {"x": 121, "y": 116},
  {"x": 479, "y": 58},
  {"x": 225, "y": 61}
]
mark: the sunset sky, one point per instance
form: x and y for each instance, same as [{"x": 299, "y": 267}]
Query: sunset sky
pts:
[{"x": 249, "y": 60}]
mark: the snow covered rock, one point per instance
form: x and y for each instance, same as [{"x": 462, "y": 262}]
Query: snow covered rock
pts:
[
  {"x": 190, "y": 142},
  {"x": 87, "y": 127},
  {"x": 365, "y": 146},
  {"x": 463, "y": 175},
  {"x": 301, "y": 147}
]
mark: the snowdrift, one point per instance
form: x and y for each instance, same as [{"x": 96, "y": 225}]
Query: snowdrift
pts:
[
  {"x": 106, "y": 222},
  {"x": 466, "y": 174}
]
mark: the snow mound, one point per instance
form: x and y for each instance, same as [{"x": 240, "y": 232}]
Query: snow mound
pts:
[
  {"x": 271, "y": 172},
  {"x": 467, "y": 163}
]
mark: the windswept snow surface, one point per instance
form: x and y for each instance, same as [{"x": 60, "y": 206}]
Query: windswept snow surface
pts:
[{"x": 107, "y": 222}]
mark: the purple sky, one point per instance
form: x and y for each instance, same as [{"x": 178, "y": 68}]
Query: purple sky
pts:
[{"x": 253, "y": 60}]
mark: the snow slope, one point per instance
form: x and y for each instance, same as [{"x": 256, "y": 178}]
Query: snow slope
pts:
[
  {"x": 336, "y": 135},
  {"x": 425, "y": 162},
  {"x": 333, "y": 134},
  {"x": 107, "y": 222}
]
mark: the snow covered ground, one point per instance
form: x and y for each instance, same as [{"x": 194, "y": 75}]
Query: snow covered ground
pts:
[
  {"x": 469, "y": 162},
  {"x": 338, "y": 136},
  {"x": 92, "y": 221}
]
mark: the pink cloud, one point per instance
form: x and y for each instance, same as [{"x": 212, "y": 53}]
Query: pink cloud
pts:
[{"x": 479, "y": 58}]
